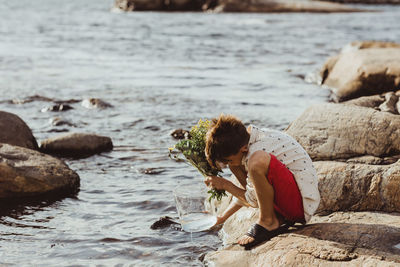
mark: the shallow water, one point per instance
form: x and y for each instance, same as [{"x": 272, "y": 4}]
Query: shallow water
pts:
[{"x": 160, "y": 71}]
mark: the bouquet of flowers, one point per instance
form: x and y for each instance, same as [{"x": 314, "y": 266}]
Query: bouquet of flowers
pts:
[{"x": 193, "y": 149}]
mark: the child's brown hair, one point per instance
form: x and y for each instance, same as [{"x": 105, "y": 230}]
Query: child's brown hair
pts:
[{"x": 225, "y": 137}]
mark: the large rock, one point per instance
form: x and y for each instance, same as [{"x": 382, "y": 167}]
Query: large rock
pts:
[
  {"x": 364, "y": 69},
  {"x": 336, "y": 131},
  {"x": 340, "y": 239},
  {"x": 358, "y": 187},
  {"x": 375, "y": 2},
  {"x": 76, "y": 145},
  {"x": 25, "y": 172},
  {"x": 281, "y": 6},
  {"x": 233, "y": 6},
  {"x": 160, "y": 5},
  {"x": 14, "y": 131}
]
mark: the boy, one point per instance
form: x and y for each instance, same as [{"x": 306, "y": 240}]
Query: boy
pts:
[{"x": 275, "y": 172}]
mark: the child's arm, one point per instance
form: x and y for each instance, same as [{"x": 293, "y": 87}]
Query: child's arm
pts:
[
  {"x": 233, "y": 207},
  {"x": 240, "y": 174}
]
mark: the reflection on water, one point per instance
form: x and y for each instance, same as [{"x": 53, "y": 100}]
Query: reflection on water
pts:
[{"x": 160, "y": 72}]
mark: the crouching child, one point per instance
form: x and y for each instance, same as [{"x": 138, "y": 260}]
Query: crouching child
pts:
[{"x": 275, "y": 173}]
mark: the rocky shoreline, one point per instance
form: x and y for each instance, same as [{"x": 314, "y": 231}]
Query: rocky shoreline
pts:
[
  {"x": 355, "y": 148},
  {"x": 29, "y": 170},
  {"x": 218, "y": 6}
]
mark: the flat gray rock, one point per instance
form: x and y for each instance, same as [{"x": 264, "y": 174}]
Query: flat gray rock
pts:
[{"x": 76, "y": 145}]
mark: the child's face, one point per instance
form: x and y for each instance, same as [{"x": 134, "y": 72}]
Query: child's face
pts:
[{"x": 235, "y": 159}]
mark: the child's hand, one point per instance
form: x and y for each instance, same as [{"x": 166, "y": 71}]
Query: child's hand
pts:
[
  {"x": 220, "y": 220},
  {"x": 216, "y": 182}
]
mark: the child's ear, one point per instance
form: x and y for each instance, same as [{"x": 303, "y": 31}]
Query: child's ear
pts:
[{"x": 244, "y": 149}]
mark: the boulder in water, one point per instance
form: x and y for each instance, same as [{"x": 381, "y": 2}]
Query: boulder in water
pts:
[
  {"x": 92, "y": 103},
  {"x": 14, "y": 131},
  {"x": 76, "y": 145},
  {"x": 26, "y": 173}
]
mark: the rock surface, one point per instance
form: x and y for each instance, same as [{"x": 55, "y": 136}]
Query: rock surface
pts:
[
  {"x": 232, "y": 6},
  {"x": 340, "y": 239},
  {"x": 358, "y": 187},
  {"x": 267, "y": 6},
  {"x": 14, "y": 131},
  {"x": 180, "y": 134},
  {"x": 366, "y": 101},
  {"x": 76, "y": 145},
  {"x": 367, "y": 68},
  {"x": 161, "y": 5},
  {"x": 375, "y": 2},
  {"x": 25, "y": 172},
  {"x": 336, "y": 131},
  {"x": 93, "y": 103}
]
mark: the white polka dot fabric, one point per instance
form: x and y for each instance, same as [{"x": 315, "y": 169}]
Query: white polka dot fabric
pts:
[{"x": 286, "y": 149}]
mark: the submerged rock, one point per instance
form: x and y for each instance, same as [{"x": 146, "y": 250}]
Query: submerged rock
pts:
[
  {"x": 14, "y": 131},
  {"x": 58, "y": 107},
  {"x": 365, "y": 69},
  {"x": 76, "y": 145},
  {"x": 25, "y": 173},
  {"x": 336, "y": 131},
  {"x": 163, "y": 222},
  {"x": 93, "y": 103},
  {"x": 180, "y": 134},
  {"x": 57, "y": 121}
]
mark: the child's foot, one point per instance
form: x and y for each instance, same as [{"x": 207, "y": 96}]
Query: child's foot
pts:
[{"x": 245, "y": 239}]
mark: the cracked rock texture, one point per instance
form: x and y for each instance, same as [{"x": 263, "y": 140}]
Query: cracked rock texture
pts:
[
  {"x": 336, "y": 131},
  {"x": 358, "y": 187},
  {"x": 340, "y": 239}
]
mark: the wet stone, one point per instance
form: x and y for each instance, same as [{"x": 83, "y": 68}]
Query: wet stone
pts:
[
  {"x": 152, "y": 171},
  {"x": 163, "y": 222},
  {"x": 180, "y": 134},
  {"x": 57, "y": 108},
  {"x": 31, "y": 99},
  {"x": 152, "y": 128},
  {"x": 92, "y": 103},
  {"x": 57, "y": 121}
]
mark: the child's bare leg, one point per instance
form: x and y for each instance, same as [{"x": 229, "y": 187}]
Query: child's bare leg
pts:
[{"x": 265, "y": 196}]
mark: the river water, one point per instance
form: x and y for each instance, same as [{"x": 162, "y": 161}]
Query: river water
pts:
[{"x": 160, "y": 71}]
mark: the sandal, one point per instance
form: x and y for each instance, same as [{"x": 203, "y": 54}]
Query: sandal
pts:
[{"x": 260, "y": 234}]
